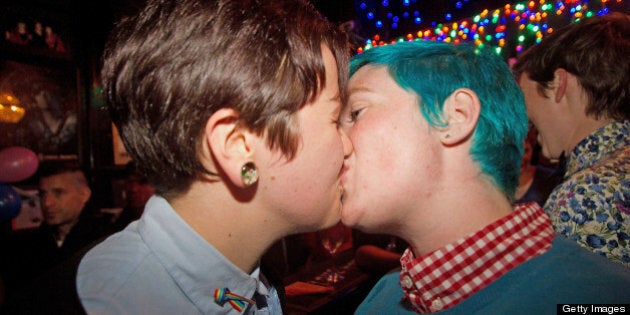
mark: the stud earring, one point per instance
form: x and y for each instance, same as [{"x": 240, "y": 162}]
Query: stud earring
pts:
[{"x": 249, "y": 173}]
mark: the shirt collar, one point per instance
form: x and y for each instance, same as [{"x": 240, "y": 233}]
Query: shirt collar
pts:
[
  {"x": 193, "y": 263},
  {"x": 442, "y": 279},
  {"x": 603, "y": 141},
  {"x": 263, "y": 284}
]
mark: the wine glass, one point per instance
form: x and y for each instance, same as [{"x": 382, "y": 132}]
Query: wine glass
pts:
[{"x": 332, "y": 239}]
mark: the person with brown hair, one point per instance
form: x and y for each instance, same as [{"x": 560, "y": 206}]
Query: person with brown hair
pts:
[
  {"x": 70, "y": 222},
  {"x": 576, "y": 84},
  {"x": 230, "y": 108}
]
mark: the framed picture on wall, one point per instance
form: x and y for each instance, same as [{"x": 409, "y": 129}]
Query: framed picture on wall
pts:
[{"x": 48, "y": 96}]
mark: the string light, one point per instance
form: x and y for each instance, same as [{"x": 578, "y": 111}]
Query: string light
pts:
[{"x": 509, "y": 29}]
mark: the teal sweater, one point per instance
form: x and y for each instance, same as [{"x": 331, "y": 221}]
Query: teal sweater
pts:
[{"x": 566, "y": 274}]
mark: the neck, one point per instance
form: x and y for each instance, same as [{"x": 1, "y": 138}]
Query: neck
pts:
[
  {"x": 63, "y": 230},
  {"x": 463, "y": 202},
  {"x": 236, "y": 229},
  {"x": 580, "y": 124}
]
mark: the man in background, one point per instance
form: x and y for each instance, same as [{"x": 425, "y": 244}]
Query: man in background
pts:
[
  {"x": 576, "y": 84},
  {"x": 69, "y": 224}
]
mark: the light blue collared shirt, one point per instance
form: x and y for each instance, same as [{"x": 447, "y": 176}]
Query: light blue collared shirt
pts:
[{"x": 160, "y": 265}]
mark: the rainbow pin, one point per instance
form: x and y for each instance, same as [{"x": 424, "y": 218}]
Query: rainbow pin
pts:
[{"x": 221, "y": 296}]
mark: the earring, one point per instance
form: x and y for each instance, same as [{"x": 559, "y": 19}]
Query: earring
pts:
[{"x": 249, "y": 173}]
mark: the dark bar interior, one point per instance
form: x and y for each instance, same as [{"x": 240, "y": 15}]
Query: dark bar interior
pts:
[{"x": 50, "y": 62}]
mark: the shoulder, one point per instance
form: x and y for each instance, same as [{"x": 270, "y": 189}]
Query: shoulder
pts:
[
  {"x": 107, "y": 266},
  {"x": 385, "y": 297},
  {"x": 24, "y": 238},
  {"x": 55, "y": 291},
  {"x": 568, "y": 271},
  {"x": 87, "y": 230},
  {"x": 615, "y": 164},
  {"x": 124, "y": 275},
  {"x": 118, "y": 273},
  {"x": 564, "y": 274},
  {"x": 32, "y": 247},
  {"x": 598, "y": 187}
]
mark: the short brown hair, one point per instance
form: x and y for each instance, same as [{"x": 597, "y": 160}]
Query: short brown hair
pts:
[
  {"x": 53, "y": 168},
  {"x": 596, "y": 50},
  {"x": 168, "y": 69}
]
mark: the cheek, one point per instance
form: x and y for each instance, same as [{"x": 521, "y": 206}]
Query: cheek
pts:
[
  {"x": 367, "y": 134},
  {"x": 531, "y": 108},
  {"x": 369, "y": 175},
  {"x": 68, "y": 206},
  {"x": 322, "y": 156},
  {"x": 77, "y": 204},
  {"x": 377, "y": 146},
  {"x": 309, "y": 182}
]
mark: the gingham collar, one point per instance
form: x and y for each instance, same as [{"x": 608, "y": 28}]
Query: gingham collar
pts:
[{"x": 447, "y": 276}]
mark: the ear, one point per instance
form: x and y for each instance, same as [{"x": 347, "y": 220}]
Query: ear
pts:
[
  {"x": 85, "y": 192},
  {"x": 228, "y": 146},
  {"x": 560, "y": 84},
  {"x": 461, "y": 112}
]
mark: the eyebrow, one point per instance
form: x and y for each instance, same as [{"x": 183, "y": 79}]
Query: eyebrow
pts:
[{"x": 361, "y": 88}]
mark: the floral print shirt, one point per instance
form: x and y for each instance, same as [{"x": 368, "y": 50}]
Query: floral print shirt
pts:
[{"x": 592, "y": 204}]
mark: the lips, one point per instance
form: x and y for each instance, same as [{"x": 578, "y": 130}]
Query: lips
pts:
[
  {"x": 49, "y": 214},
  {"x": 342, "y": 181},
  {"x": 344, "y": 171}
]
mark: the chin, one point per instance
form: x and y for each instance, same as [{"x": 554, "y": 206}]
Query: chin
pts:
[
  {"x": 333, "y": 217},
  {"x": 51, "y": 223},
  {"x": 349, "y": 218}
]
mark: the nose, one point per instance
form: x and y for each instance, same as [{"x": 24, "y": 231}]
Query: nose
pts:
[
  {"x": 347, "y": 144},
  {"x": 46, "y": 202}
]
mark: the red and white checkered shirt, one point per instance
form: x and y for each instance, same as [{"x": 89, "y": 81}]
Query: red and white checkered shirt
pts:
[{"x": 447, "y": 276}]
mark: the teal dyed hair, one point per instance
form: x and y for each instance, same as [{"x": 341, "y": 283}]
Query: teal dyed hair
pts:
[{"x": 433, "y": 70}]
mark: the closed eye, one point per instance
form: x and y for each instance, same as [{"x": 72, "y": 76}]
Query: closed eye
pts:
[{"x": 353, "y": 115}]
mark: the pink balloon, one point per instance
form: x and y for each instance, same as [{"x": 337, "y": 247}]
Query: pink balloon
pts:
[{"x": 17, "y": 164}]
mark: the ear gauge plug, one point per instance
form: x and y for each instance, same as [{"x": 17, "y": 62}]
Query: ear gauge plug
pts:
[{"x": 249, "y": 173}]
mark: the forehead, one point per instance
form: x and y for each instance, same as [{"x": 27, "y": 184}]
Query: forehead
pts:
[
  {"x": 330, "y": 68},
  {"x": 63, "y": 180},
  {"x": 375, "y": 81},
  {"x": 368, "y": 77}
]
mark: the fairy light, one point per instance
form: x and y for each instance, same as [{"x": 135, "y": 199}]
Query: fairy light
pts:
[{"x": 509, "y": 29}]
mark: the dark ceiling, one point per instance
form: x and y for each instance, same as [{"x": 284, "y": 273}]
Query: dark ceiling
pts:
[{"x": 95, "y": 18}]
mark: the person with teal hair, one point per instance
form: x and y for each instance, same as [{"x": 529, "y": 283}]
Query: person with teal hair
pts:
[
  {"x": 438, "y": 132},
  {"x": 433, "y": 73}
]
